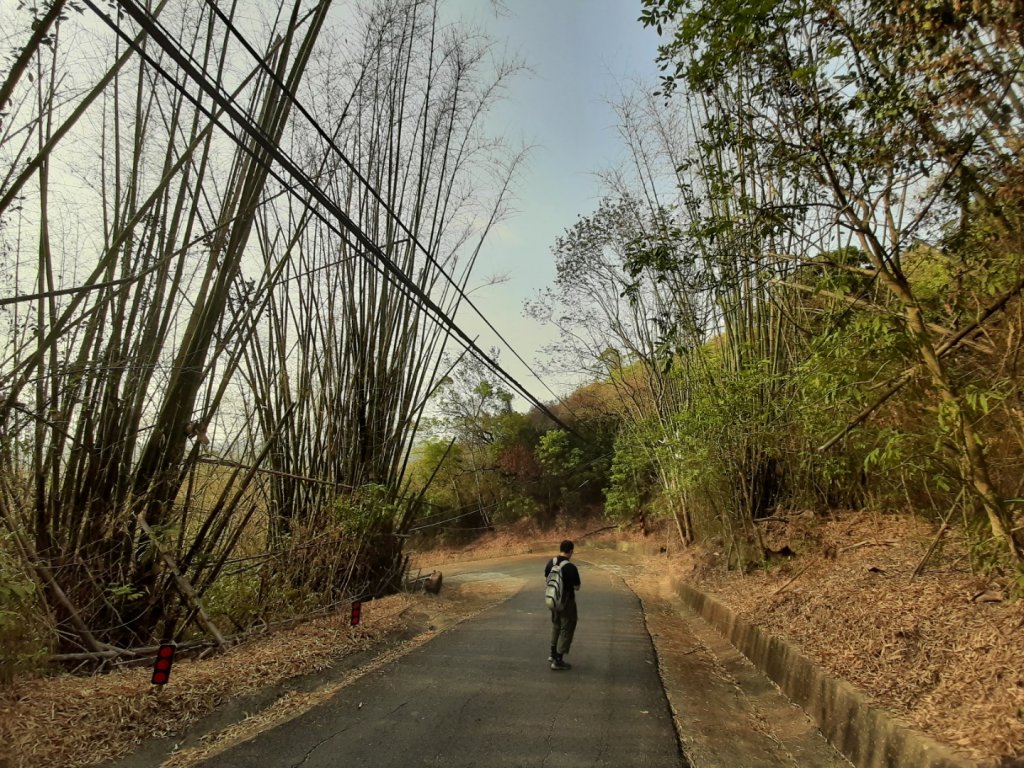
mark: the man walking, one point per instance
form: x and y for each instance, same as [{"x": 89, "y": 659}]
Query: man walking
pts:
[{"x": 563, "y": 621}]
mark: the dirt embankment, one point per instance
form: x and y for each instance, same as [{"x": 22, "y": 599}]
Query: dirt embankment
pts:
[{"x": 941, "y": 649}]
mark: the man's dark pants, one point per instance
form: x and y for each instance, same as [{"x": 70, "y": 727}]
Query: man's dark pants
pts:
[{"x": 563, "y": 625}]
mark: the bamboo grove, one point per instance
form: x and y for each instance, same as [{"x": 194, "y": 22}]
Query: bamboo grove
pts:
[
  {"x": 803, "y": 288},
  {"x": 209, "y": 387}
]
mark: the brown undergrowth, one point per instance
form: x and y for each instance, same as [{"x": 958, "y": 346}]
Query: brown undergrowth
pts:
[
  {"x": 70, "y": 721},
  {"x": 941, "y": 650},
  {"x": 520, "y": 538}
]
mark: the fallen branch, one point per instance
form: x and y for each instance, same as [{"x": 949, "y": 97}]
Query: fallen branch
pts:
[
  {"x": 938, "y": 536},
  {"x": 868, "y": 543},
  {"x": 125, "y": 653},
  {"x": 204, "y": 644},
  {"x": 183, "y": 584},
  {"x": 796, "y": 575},
  {"x": 599, "y": 530}
]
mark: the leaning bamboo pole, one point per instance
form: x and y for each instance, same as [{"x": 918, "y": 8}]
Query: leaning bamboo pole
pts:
[
  {"x": 89, "y": 414},
  {"x": 184, "y": 586}
]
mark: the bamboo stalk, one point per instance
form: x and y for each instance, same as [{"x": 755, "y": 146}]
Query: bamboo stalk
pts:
[{"x": 183, "y": 584}]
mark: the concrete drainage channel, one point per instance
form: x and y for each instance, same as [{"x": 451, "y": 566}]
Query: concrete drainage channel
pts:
[{"x": 867, "y": 735}]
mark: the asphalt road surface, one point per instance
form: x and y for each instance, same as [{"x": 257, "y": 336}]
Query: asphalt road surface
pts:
[{"x": 483, "y": 694}]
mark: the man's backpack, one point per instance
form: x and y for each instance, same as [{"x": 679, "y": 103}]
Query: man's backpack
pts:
[{"x": 554, "y": 592}]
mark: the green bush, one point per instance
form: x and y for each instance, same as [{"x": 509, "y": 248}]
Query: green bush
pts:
[{"x": 25, "y": 636}]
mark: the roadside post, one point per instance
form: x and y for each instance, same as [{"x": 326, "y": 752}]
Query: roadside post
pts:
[{"x": 162, "y": 666}]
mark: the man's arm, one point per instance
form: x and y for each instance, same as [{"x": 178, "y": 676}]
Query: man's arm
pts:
[{"x": 578, "y": 583}]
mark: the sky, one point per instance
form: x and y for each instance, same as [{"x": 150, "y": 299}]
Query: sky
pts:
[{"x": 581, "y": 55}]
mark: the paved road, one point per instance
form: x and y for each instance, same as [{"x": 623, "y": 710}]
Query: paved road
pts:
[{"x": 482, "y": 694}]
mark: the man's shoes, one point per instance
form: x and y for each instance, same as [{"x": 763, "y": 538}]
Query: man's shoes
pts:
[{"x": 558, "y": 665}]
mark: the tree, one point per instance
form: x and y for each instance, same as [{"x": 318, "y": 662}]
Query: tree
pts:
[{"x": 880, "y": 117}]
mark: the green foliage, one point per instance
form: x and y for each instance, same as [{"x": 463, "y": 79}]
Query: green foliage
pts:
[
  {"x": 985, "y": 553},
  {"x": 634, "y": 477},
  {"x": 556, "y": 453},
  {"x": 900, "y": 125},
  {"x": 25, "y": 636},
  {"x": 931, "y": 274},
  {"x": 890, "y": 455},
  {"x": 237, "y": 597},
  {"x": 487, "y": 464},
  {"x": 834, "y": 271},
  {"x": 366, "y": 509},
  {"x": 124, "y": 593},
  {"x": 575, "y": 471},
  {"x": 479, "y": 468},
  {"x": 516, "y": 506},
  {"x": 438, "y": 463}
]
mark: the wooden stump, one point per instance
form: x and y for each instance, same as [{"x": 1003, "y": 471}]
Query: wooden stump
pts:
[{"x": 433, "y": 583}]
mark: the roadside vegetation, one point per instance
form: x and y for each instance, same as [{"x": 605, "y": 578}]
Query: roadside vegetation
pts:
[
  {"x": 231, "y": 249},
  {"x": 232, "y": 394}
]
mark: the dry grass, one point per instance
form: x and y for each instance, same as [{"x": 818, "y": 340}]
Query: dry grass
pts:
[
  {"x": 923, "y": 647},
  {"x": 521, "y": 538},
  {"x": 73, "y": 721}
]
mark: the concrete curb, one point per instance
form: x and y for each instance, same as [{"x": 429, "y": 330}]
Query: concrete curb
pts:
[{"x": 866, "y": 734}]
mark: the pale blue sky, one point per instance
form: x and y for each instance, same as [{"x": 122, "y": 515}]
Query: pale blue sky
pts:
[{"x": 582, "y": 53}]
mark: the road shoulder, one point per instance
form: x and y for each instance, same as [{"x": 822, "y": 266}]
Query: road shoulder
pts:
[{"x": 727, "y": 713}]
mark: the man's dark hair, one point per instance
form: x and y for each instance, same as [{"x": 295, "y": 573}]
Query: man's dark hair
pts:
[{"x": 566, "y": 546}]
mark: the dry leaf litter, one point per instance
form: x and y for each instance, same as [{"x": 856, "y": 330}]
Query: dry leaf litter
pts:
[
  {"x": 929, "y": 649},
  {"x": 923, "y": 648},
  {"x": 73, "y": 721}
]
